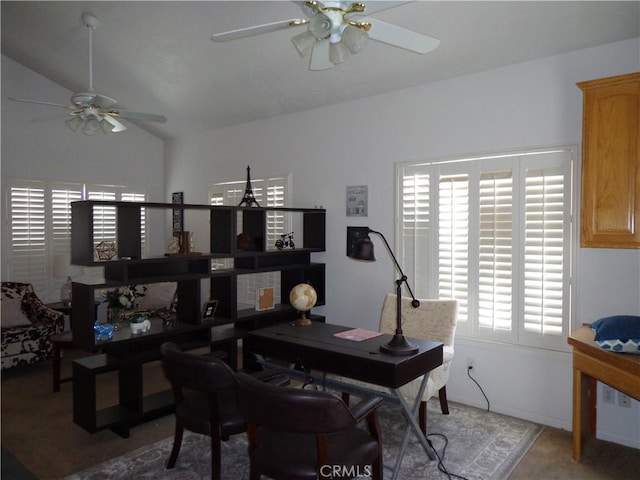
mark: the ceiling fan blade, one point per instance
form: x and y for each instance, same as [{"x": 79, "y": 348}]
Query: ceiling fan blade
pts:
[
  {"x": 117, "y": 126},
  {"x": 320, "y": 56},
  {"x": 376, "y": 6},
  {"x": 257, "y": 30},
  {"x": 41, "y": 103},
  {"x": 103, "y": 101},
  {"x": 146, "y": 117},
  {"x": 400, "y": 37},
  {"x": 50, "y": 117}
]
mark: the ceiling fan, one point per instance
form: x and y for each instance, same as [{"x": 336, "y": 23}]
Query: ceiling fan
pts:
[
  {"x": 335, "y": 29},
  {"x": 90, "y": 110}
]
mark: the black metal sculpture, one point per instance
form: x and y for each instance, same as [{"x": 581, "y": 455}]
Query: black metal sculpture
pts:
[{"x": 248, "y": 199}]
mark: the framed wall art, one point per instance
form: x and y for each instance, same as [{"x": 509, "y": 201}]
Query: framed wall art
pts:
[
  {"x": 178, "y": 213},
  {"x": 357, "y": 201}
]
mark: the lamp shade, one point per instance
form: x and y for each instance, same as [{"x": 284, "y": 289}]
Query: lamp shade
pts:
[
  {"x": 320, "y": 26},
  {"x": 91, "y": 126},
  {"x": 73, "y": 123},
  {"x": 354, "y": 38},
  {"x": 364, "y": 250},
  {"x": 304, "y": 43},
  {"x": 337, "y": 52}
]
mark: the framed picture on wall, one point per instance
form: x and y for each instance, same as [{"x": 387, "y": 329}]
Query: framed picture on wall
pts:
[
  {"x": 178, "y": 213},
  {"x": 357, "y": 201}
]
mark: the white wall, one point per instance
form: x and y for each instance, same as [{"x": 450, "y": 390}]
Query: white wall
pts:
[
  {"x": 50, "y": 151},
  {"x": 357, "y": 143}
]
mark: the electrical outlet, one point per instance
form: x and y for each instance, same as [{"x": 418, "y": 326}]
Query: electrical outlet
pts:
[
  {"x": 608, "y": 394},
  {"x": 471, "y": 363},
  {"x": 624, "y": 400}
]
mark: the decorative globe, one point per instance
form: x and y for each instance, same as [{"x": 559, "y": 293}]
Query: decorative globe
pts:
[{"x": 303, "y": 297}]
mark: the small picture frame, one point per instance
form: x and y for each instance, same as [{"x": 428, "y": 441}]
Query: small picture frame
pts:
[
  {"x": 209, "y": 309},
  {"x": 265, "y": 299},
  {"x": 178, "y": 214},
  {"x": 357, "y": 201}
]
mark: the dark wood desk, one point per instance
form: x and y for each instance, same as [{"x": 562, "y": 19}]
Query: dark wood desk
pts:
[
  {"x": 590, "y": 364},
  {"x": 316, "y": 347}
]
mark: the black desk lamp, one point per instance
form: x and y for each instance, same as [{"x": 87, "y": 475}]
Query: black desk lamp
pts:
[{"x": 398, "y": 345}]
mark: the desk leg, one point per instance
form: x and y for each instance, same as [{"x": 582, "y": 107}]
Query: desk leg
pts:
[
  {"x": 584, "y": 410},
  {"x": 412, "y": 424}
]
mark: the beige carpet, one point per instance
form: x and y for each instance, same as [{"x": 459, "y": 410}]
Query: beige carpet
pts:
[{"x": 474, "y": 444}]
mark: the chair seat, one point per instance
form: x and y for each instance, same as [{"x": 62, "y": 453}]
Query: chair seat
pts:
[{"x": 286, "y": 455}]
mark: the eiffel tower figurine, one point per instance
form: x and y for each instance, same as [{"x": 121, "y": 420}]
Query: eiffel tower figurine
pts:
[{"x": 248, "y": 199}]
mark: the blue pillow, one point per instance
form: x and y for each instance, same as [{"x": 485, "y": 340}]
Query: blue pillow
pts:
[{"x": 619, "y": 333}]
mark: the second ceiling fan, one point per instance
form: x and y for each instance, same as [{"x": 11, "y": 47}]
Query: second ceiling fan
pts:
[
  {"x": 335, "y": 29},
  {"x": 91, "y": 112}
]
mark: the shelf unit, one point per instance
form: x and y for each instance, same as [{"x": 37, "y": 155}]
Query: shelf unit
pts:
[
  {"x": 125, "y": 352},
  {"x": 188, "y": 271}
]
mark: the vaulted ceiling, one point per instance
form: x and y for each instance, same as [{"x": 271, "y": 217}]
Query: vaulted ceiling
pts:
[{"x": 157, "y": 57}]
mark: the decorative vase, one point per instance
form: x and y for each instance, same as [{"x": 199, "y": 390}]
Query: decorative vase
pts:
[{"x": 114, "y": 317}]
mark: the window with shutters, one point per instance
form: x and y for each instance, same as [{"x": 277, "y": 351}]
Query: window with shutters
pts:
[
  {"x": 268, "y": 192},
  {"x": 38, "y": 219},
  {"x": 493, "y": 232}
]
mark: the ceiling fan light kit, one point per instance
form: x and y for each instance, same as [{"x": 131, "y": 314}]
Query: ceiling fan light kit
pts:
[
  {"x": 90, "y": 110},
  {"x": 337, "y": 29}
]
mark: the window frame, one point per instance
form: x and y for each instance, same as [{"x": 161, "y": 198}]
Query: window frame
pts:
[{"x": 428, "y": 286}]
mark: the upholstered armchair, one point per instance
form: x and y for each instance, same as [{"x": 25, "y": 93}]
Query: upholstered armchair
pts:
[
  {"x": 206, "y": 403},
  {"x": 297, "y": 434},
  {"x": 27, "y": 325},
  {"x": 433, "y": 320}
]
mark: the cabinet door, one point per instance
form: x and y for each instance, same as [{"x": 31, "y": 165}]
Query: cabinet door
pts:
[{"x": 611, "y": 163}]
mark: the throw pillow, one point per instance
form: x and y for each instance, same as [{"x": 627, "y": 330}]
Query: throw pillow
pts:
[
  {"x": 155, "y": 296},
  {"x": 619, "y": 333},
  {"x": 12, "y": 314}
]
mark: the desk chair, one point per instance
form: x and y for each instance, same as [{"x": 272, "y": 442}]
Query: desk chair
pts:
[
  {"x": 297, "y": 434},
  {"x": 433, "y": 320},
  {"x": 204, "y": 392}
]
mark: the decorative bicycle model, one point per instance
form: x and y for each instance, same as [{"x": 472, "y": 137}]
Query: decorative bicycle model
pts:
[{"x": 285, "y": 240}]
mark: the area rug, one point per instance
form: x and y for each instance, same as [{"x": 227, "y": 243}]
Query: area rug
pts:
[{"x": 472, "y": 443}]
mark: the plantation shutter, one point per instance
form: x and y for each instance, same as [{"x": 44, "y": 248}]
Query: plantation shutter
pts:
[
  {"x": 546, "y": 252},
  {"x": 275, "y": 197},
  {"x": 415, "y": 235},
  {"x": 28, "y": 261},
  {"x": 104, "y": 218},
  {"x": 453, "y": 241},
  {"x": 495, "y": 250},
  {"x": 61, "y": 197}
]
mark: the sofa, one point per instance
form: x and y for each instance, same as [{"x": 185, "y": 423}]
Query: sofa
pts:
[{"x": 26, "y": 324}]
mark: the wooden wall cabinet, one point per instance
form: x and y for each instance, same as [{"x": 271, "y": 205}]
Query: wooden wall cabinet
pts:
[{"x": 610, "y": 216}]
